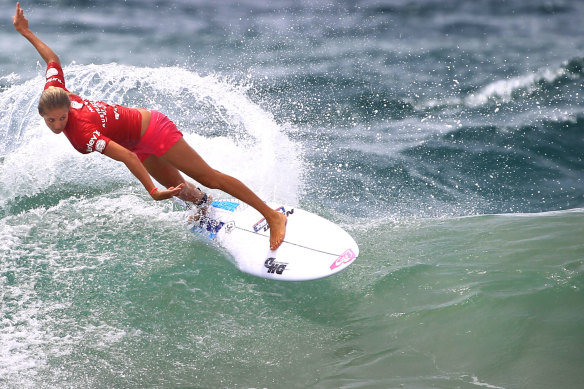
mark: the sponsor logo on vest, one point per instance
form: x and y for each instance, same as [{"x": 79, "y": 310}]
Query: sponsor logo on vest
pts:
[
  {"x": 100, "y": 108},
  {"x": 100, "y": 145},
  {"x": 91, "y": 142},
  {"x": 53, "y": 79},
  {"x": 51, "y": 72}
]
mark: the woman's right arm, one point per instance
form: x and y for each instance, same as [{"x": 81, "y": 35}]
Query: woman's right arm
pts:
[
  {"x": 21, "y": 25},
  {"x": 120, "y": 153}
]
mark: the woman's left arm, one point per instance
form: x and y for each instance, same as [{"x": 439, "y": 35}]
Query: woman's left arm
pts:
[
  {"x": 131, "y": 160},
  {"x": 21, "y": 25}
]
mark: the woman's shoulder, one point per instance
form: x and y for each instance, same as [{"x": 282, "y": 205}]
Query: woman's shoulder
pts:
[{"x": 54, "y": 76}]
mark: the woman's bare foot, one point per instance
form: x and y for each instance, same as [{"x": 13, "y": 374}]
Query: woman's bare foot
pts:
[{"x": 277, "y": 224}]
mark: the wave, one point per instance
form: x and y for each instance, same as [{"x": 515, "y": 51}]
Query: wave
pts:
[
  {"x": 550, "y": 94},
  {"x": 467, "y": 170},
  {"x": 548, "y": 79},
  {"x": 529, "y": 168},
  {"x": 431, "y": 7},
  {"x": 546, "y": 84},
  {"x": 462, "y": 277},
  {"x": 477, "y": 155},
  {"x": 410, "y": 246}
]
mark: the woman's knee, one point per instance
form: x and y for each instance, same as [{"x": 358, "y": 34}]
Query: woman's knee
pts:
[{"x": 213, "y": 180}]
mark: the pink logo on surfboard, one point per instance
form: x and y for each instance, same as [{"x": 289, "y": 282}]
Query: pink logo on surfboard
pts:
[{"x": 345, "y": 257}]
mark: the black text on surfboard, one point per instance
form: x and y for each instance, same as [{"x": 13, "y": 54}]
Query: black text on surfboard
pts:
[
  {"x": 275, "y": 267},
  {"x": 263, "y": 224}
]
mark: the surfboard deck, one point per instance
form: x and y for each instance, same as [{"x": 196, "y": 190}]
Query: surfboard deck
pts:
[{"x": 313, "y": 247}]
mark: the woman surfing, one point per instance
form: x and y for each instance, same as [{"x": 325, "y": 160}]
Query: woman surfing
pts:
[{"x": 146, "y": 141}]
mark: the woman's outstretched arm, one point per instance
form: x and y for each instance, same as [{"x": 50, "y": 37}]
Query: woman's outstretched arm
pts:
[
  {"x": 120, "y": 153},
  {"x": 21, "y": 25}
]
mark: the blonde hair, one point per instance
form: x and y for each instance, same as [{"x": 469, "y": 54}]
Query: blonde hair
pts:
[{"x": 52, "y": 98}]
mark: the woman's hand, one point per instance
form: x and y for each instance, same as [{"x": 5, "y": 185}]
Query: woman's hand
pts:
[
  {"x": 168, "y": 193},
  {"x": 130, "y": 159},
  {"x": 21, "y": 25},
  {"x": 19, "y": 21}
]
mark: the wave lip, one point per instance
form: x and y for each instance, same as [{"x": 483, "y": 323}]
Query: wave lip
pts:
[
  {"x": 505, "y": 90},
  {"x": 545, "y": 85}
]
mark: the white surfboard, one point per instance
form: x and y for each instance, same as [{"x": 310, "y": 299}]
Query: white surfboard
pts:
[{"x": 313, "y": 246}]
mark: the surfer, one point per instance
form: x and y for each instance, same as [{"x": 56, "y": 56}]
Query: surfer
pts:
[{"x": 146, "y": 141}]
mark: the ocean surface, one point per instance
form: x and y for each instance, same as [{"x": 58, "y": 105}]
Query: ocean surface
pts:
[{"x": 446, "y": 136}]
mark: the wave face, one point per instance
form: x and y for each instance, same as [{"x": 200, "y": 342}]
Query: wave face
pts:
[{"x": 446, "y": 137}]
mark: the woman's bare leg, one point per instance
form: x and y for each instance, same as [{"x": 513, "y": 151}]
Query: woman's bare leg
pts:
[
  {"x": 169, "y": 176},
  {"x": 184, "y": 158}
]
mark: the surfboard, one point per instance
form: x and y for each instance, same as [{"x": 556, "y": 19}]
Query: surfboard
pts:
[{"x": 313, "y": 248}]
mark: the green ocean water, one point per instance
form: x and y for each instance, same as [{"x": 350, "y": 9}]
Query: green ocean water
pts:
[
  {"x": 445, "y": 136},
  {"x": 457, "y": 302}
]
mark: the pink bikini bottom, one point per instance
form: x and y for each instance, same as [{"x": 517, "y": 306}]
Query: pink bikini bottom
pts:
[{"x": 160, "y": 136}]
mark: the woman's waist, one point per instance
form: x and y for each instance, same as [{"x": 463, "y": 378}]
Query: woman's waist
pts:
[{"x": 145, "y": 114}]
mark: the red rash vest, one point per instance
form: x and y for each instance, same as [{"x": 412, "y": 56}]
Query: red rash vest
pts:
[{"x": 93, "y": 124}]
